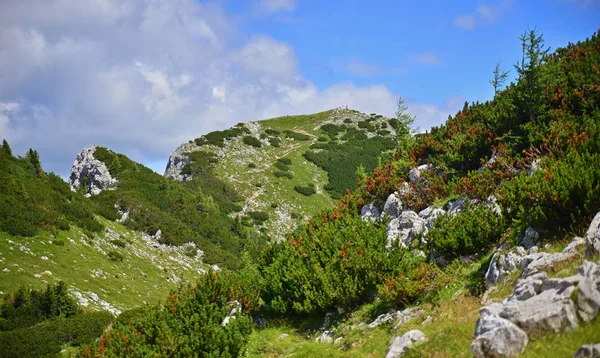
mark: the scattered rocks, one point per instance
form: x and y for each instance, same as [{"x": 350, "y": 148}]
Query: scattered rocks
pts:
[
  {"x": 96, "y": 172},
  {"x": 405, "y": 228},
  {"x": 401, "y": 345},
  {"x": 588, "y": 350},
  {"x": 325, "y": 337},
  {"x": 283, "y": 335},
  {"x": 503, "y": 264},
  {"x": 539, "y": 305},
  {"x": 236, "y": 308}
]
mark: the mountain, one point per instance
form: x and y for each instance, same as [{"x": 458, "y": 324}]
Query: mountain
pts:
[
  {"x": 287, "y": 169},
  {"x": 479, "y": 237}
]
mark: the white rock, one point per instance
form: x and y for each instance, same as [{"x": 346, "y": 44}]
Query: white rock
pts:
[
  {"x": 429, "y": 214},
  {"x": 497, "y": 337},
  {"x": 588, "y": 350},
  {"x": 86, "y": 164},
  {"x": 593, "y": 236},
  {"x": 405, "y": 228},
  {"x": 326, "y": 337},
  {"x": 393, "y": 206},
  {"x": 369, "y": 212},
  {"x": 535, "y": 165},
  {"x": 401, "y": 345},
  {"x": 177, "y": 161}
]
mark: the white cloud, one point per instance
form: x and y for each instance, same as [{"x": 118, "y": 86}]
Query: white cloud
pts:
[
  {"x": 274, "y": 6},
  {"x": 465, "y": 22},
  {"x": 143, "y": 77},
  {"x": 483, "y": 15},
  {"x": 427, "y": 58}
]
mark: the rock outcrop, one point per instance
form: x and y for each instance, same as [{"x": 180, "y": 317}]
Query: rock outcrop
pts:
[
  {"x": 400, "y": 345},
  {"x": 370, "y": 212},
  {"x": 538, "y": 305},
  {"x": 588, "y": 350},
  {"x": 87, "y": 170},
  {"x": 174, "y": 170},
  {"x": 405, "y": 228},
  {"x": 593, "y": 237}
]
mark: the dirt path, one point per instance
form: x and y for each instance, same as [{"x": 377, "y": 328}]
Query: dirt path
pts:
[{"x": 302, "y": 131}]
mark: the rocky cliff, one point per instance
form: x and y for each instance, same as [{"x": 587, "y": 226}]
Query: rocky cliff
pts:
[{"x": 90, "y": 172}]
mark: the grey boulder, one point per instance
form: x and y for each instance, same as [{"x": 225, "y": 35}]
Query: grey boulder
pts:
[{"x": 400, "y": 345}]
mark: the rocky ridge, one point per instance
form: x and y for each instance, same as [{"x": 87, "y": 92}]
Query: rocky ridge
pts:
[{"x": 87, "y": 169}]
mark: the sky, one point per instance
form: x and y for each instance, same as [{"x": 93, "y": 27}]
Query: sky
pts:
[{"x": 143, "y": 76}]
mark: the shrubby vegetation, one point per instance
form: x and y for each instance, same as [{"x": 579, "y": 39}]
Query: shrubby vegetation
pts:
[
  {"x": 31, "y": 199},
  {"x": 218, "y": 137},
  {"x": 305, "y": 190},
  {"x": 251, "y": 141},
  {"x": 192, "y": 211},
  {"x": 296, "y": 135},
  {"x": 37, "y": 323},
  {"x": 188, "y": 323}
]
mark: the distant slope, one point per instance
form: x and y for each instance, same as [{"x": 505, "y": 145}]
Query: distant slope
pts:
[{"x": 288, "y": 168}]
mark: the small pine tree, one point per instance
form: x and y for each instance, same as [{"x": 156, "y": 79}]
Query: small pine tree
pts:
[
  {"x": 499, "y": 78},
  {"x": 115, "y": 167},
  {"x": 34, "y": 159},
  {"x": 404, "y": 128},
  {"x": 533, "y": 56},
  {"x": 6, "y": 147}
]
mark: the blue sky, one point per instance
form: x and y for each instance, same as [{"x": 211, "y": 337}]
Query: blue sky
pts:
[
  {"x": 141, "y": 77},
  {"x": 426, "y": 50}
]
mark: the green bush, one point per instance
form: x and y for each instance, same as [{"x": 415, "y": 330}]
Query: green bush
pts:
[
  {"x": 251, "y": 165},
  {"x": 275, "y": 142},
  {"x": 274, "y": 205},
  {"x": 119, "y": 243},
  {"x": 470, "y": 231},
  {"x": 296, "y": 135},
  {"x": 286, "y": 161},
  {"x": 251, "y": 141},
  {"x": 305, "y": 190},
  {"x": 189, "y": 323},
  {"x": 115, "y": 256},
  {"x": 337, "y": 262},
  {"x": 259, "y": 216},
  {"x": 272, "y": 132},
  {"x": 347, "y": 120},
  {"x": 280, "y": 174},
  {"x": 417, "y": 282},
  {"x": 282, "y": 167},
  {"x": 323, "y": 139}
]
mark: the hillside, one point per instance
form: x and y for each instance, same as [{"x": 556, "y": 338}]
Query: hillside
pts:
[
  {"x": 269, "y": 162},
  {"x": 480, "y": 237}
]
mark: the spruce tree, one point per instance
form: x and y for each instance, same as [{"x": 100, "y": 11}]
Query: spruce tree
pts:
[
  {"x": 499, "y": 78},
  {"x": 533, "y": 56},
  {"x": 6, "y": 147}
]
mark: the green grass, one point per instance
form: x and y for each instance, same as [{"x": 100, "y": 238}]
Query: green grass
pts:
[{"x": 145, "y": 275}]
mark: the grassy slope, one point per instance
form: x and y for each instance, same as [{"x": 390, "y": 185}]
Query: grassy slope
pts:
[
  {"x": 145, "y": 275},
  {"x": 235, "y": 157}
]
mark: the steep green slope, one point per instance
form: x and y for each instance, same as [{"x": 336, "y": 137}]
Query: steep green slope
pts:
[{"x": 289, "y": 168}]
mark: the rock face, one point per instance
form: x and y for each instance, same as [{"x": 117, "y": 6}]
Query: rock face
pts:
[
  {"x": 96, "y": 172},
  {"x": 429, "y": 214},
  {"x": 177, "y": 161},
  {"x": 593, "y": 236},
  {"x": 503, "y": 264},
  {"x": 405, "y": 228},
  {"x": 401, "y": 345}
]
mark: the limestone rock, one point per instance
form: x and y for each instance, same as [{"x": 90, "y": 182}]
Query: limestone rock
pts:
[
  {"x": 393, "y": 206},
  {"x": 174, "y": 170},
  {"x": 588, "y": 299},
  {"x": 588, "y": 350},
  {"x": 405, "y": 228},
  {"x": 401, "y": 345},
  {"x": 502, "y": 265},
  {"x": 530, "y": 238},
  {"x": 497, "y": 337},
  {"x": 458, "y": 205},
  {"x": 414, "y": 175},
  {"x": 429, "y": 214},
  {"x": 369, "y": 212},
  {"x": 593, "y": 236},
  {"x": 96, "y": 172},
  {"x": 326, "y": 337},
  {"x": 535, "y": 165}
]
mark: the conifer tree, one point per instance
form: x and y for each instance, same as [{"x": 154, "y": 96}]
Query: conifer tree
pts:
[
  {"x": 533, "y": 56},
  {"x": 499, "y": 78},
  {"x": 6, "y": 147}
]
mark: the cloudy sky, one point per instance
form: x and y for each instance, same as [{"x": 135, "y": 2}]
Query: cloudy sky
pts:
[{"x": 143, "y": 76}]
